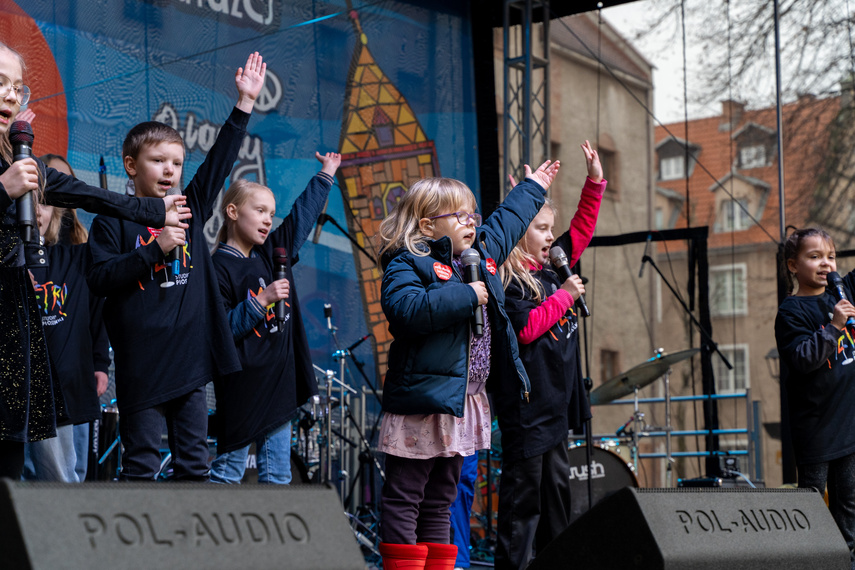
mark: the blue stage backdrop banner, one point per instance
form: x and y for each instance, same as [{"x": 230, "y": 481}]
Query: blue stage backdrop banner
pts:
[{"x": 388, "y": 84}]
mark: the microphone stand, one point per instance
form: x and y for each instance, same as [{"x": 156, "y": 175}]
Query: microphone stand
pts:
[
  {"x": 710, "y": 342},
  {"x": 327, "y": 218},
  {"x": 589, "y": 384}
]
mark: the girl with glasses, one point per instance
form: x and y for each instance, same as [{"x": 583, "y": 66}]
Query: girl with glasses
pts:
[{"x": 435, "y": 408}]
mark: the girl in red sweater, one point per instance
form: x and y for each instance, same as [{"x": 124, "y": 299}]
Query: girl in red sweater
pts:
[{"x": 534, "y": 491}]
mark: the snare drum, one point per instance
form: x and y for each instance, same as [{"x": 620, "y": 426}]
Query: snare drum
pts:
[{"x": 610, "y": 473}]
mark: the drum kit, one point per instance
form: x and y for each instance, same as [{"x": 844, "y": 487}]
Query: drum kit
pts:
[{"x": 614, "y": 460}]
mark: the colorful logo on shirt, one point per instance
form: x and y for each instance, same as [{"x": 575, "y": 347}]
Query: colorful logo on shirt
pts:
[
  {"x": 845, "y": 348},
  {"x": 270, "y": 315},
  {"x": 51, "y": 297},
  {"x": 158, "y": 272},
  {"x": 442, "y": 271},
  {"x": 491, "y": 265}
]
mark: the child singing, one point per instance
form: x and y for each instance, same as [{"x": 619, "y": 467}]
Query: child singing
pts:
[
  {"x": 435, "y": 408},
  {"x": 816, "y": 345},
  {"x": 534, "y": 489},
  {"x": 27, "y": 403},
  {"x": 257, "y": 403},
  {"x": 168, "y": 342}
]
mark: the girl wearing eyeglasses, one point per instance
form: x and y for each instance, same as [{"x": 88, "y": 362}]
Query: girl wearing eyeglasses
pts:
[
  {"x": 435, "y": 408},
  {"x": 28, "y": 399}
]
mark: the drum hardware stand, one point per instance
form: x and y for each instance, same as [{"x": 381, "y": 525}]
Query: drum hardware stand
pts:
[{"x": 589, "y": 384}]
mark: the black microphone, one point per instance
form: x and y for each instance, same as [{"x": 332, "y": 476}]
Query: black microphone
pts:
[
  {"x": 328, "y": 315},
  {"x": 319, "y": 225},
  {"x": 280, "y": 257},
  {"x": 837, "y": 282},
  {"x": 21, "y": 136},
  {"x": 360, "y": 341},
  {"x": 172, "y": 259},
  {"x": 644, "y": 257},
  {"x": 622, "y": 429},
  {"x": 471, "y": 261},
  {"x": 562, "y": 268},
  {"x": 102, "y": 174}
]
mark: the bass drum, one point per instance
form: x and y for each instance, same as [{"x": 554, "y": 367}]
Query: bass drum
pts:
[{"x": 610, "y": 474}]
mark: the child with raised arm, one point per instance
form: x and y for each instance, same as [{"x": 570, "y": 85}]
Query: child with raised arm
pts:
[
  {"x": 257, "y": 403},
  {"x": 816, "y": 345},
  {"x": 435, "y": 410},
  {"x": 534, "y": 489},
  {"x": 27, "y": 403},
  {"x": 168, "y": 342}
]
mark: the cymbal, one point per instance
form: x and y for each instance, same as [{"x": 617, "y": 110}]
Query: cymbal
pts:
[{"x": 638, "y": 376}]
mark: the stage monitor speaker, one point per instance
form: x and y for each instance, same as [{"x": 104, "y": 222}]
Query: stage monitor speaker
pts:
[
  {"x": 46, "y": 526},
  {"x": 701, "y": 529}
]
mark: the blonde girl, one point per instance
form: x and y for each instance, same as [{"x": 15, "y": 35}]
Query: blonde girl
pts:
[{"x": 435, "y": 409}]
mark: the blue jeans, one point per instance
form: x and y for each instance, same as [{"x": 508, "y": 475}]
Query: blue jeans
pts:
[
  {"x": 81, "y": 450},
  {"x": 52, "y": 459},
  {"x": 461, "y": 509},
  {"x": 273, "y": 455},
  {"x": 187, "y": 427}
]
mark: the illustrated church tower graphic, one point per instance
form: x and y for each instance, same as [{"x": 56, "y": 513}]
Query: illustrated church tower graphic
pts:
[{"x": 384, "y": 150}]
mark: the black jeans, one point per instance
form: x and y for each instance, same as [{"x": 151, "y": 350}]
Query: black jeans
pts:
[
  {"x": 417, "y": 497},
  {"x": 187, "y": 428},
  {"x": 839, "y": 475},
  {"x": 534, "y": 506},
  {"x": 11, "y": 459}
]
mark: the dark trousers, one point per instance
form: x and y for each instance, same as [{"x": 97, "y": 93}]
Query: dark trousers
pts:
[
  {"x": 187, "y": 428},
  {"x": 839, "y": 475},
  {"x": 534, "y": 506},
  {"x": 417, "y": 496},
  {"x": 11, "y": 459}
]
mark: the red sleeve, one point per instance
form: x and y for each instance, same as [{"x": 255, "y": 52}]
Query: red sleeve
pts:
[
  {"x": 585, "y": 220},
  {"x": 547, "y": 314}
]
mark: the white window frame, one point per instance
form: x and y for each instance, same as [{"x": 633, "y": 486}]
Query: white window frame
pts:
[
  {"x": 753, "y": 156},
  {"x": 672, "y": 167},
  {"x": 729, "y": 308},
  {"x": 725, "y": 380}
]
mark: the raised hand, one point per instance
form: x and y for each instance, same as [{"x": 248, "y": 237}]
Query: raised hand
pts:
[
  {"x": 330, "y": 161},
  {"x": 545, "y": 173},
  {"x": 26, "y": 115},
  {"x": 249, "y": 80},
  {"x": 592, "y": 160},
  {"x": 176, "y": 211}
]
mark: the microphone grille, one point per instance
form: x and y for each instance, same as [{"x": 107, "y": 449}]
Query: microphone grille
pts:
[
  {"x": 557, "y": 255},
  {"x": 470, "y": 257},
  {"x": 834, "y": 277},
  {"x": 280, "y": 256},
  {"x": 21, "y": 132},
  {"x": 174, "y": 191}
]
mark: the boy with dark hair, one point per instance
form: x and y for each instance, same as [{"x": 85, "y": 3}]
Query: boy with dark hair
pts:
[{"x": 169, "y": 342}]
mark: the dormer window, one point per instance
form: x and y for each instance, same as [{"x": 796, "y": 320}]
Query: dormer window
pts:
[
  {"x": 671, "y": 168},
  {"x": 752, "y": 156},
  {"x": 733, "y": 216}
]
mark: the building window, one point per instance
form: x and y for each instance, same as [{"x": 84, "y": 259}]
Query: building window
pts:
[
  {"x": 728, "y": 293},
  {"x": 609, "y": 364},
  {"x": 737, "y": 379},
  {"x": 608, "y": 159},
  {"x": 672, "y": 168},
  {"x": 733, "y": 216},
  {"x": 660, "y": 219},
  {"x": 752, "y": 156}
]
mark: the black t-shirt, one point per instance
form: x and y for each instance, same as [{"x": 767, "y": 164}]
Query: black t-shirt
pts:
[
  {"x": 71, "y": 317},
  {"x": 557, "y": 401},
  {"x": 277, "y": 374},
  {"x": 820, "y": 379},
  {"x": 166, "y": 341}
]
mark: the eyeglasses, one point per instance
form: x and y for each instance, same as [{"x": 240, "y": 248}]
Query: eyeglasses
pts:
[
  {"x": 22, "y": 92},
  {"x": 462, "y": 217}
]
